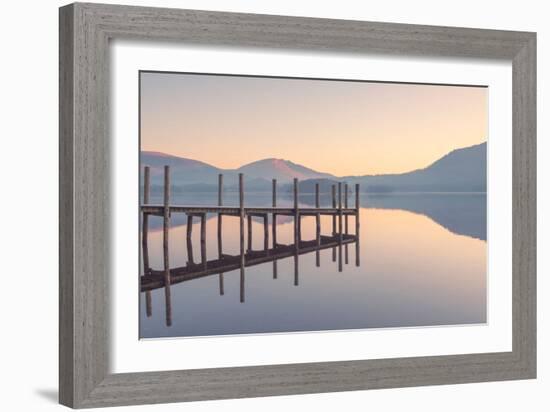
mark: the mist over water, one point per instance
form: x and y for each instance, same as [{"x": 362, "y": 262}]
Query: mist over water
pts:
[{"x": 422, "y": 262}]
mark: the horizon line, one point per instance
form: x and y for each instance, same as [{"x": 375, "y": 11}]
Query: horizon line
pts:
[{"x": 300, "y": 164}]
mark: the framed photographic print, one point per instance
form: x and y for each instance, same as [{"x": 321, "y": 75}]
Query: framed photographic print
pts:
[{"x": 258, "y": 205}]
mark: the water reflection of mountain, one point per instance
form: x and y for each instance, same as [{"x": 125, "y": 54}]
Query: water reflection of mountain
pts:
[{"x": 463, "y": 214}]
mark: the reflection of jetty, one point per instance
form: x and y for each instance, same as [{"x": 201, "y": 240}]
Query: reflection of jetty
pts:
[{"x": 153, "y": 279}]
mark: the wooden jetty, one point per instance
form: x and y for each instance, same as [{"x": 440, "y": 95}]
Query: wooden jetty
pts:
[{"x": 340, "y": 212}]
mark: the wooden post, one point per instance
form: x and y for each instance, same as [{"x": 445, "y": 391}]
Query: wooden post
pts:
[
  {"x": 166, "y": 228},
  {"x": 274, "y": 221},
  {"x": 189, "y": 226},
  {"x": 340, "y": 226},
  {"x": 274, "y": 224},
  {"x": 166, "y": 219},
  {"x": 296, "y": 231},
  {"x": 357, "y": 193},
  {"x": 203, "y": 240},
  {"x": 317, "y": 196},
  {"x": 334, "y": 220},
  {"x": 249, "y": 227},
  {"x": 274, "y": 192},
  {"x": 241, "y": 230},
  {"x": 220, "y": 249},
  {"x": 357, "y": 247},
  {"x": 220, "y": 203},
  {"x": 346, "y": 254},
  {"x": 296, "y": 215},
  {"x": 317, "y": 226},
  {"x": 334, "y": 207},
  {"x": 346, "y": 206}
]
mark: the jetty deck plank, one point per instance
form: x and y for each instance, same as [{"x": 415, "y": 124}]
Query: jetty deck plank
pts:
[{"x": 230, "y": 210}]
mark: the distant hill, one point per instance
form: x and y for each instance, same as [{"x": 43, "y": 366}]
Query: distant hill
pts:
[
  {"x": 461, "y": 170},
  {"x": 198, "y": 176},
  {"x": 182, "y": 170},
  {"x": 280, "y": 169}
]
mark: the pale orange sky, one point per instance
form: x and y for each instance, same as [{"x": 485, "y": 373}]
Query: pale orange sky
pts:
[{"x": 338, "y": 127}]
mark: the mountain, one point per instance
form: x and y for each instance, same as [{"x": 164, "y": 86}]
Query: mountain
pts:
[
  {"x": 280, "y": 169},
  {"x": 461, "y": 170},
  {"x": 194, "y": 173},
  {"x": 182, "y": 170}
]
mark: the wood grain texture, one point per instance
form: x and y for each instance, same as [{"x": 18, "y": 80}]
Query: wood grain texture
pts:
[
  {"x": 66, "y": 228},
  {"x": 85, "y": 31}
]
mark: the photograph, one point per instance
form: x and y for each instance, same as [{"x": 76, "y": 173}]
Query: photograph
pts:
[
  {"x": 260, "y": 206},
  {"x": 280, "y": 204}
]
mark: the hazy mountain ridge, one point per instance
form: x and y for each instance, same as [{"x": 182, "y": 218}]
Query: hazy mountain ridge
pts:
[
  {"x": 280, "y": 169},
  {"x": 461, "y": 170},
  {"x": 200, "y": 176}
]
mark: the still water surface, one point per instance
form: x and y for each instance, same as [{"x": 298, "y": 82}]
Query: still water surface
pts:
[{"x": 422, "y": 262}]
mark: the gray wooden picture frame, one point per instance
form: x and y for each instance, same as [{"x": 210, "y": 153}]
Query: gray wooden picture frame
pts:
[{"x": 85, "y": 32}]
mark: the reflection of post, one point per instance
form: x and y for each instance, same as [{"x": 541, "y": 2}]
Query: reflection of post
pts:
[
  {"x": 357, "y": 249},
  {"x": 241, "y": 231},
  {"x": 144, "y": 239},
  {"x": 274, "y": 224},
  {"x": 266, "y": 233},
  {"x": 334, "y": 220},
  {"x": 145, "y": 225},
  {"x": 148, "y": 304},
  {"x": 317, "y": 227},
  {"x": 221, "y": 284},
  {"x": 249, "y": 226},
  {"x": 203, "y": 240},
  {"x": 296, "y": 268},
  {"x": 346, "y": 221},
  {"x": 190, "y": 260},
  {"x": 296, "y": 231},
  {"x": 339, "y": 226},
  {"x": 166, "y": 227},
  {"x": 220, "y": 203}
]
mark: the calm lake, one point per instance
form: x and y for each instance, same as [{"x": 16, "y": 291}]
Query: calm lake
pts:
[{"x": 422, "y": 263}]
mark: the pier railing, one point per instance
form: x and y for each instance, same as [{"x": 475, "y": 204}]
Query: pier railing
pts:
[{"x": 165, "y": 277}]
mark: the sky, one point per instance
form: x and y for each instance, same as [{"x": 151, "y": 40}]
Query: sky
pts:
[{"x": 338, "y": 127}]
